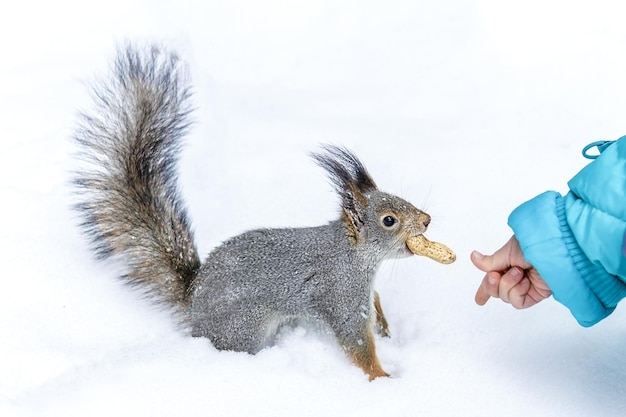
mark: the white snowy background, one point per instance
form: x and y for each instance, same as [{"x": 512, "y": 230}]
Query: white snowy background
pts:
[{"x": 466, "y": 108}]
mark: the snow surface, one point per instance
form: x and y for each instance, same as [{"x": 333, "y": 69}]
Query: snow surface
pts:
[{"x": 466, "y": 108}]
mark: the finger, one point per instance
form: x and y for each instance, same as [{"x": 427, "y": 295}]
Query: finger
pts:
[
  {"x": 482, "y": 295},
  {"x": 488, "y": 288},
  {"x": 519, "y": 295},
  {"x": 533, "y": 289},
  {"x": 509, "y": 280}
]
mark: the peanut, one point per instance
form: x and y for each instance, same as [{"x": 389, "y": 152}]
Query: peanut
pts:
[{"x": 439, "y": 252}]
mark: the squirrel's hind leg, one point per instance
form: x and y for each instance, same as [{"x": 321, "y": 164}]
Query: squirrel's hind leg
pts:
[{"x": 239, "y": 328}]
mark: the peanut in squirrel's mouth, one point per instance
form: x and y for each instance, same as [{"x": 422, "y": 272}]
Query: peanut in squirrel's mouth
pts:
[{"x": 439, "y": 252}]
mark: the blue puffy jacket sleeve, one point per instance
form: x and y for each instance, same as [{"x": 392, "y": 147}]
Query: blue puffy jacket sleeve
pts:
[{"x": 577, "y": 241}]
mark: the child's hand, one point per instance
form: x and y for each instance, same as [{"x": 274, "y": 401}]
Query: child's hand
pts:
[{"x": 509, "y": 277}]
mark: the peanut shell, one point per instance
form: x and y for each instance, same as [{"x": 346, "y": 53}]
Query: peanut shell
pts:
[{"x": 439, "y": 252}]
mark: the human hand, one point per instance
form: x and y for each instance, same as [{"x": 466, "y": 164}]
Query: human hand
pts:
[{"x": 509, "y": 277}]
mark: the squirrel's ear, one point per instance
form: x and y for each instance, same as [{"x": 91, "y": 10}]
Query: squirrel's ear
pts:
[{"x": 352, "y": 204}]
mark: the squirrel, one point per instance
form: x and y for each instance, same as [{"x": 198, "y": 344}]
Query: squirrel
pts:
[{"x": 249, "y": 286}]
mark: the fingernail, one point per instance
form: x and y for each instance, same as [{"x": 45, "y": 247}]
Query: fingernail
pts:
[
  {"x": 477, "y": 254},
  {"x": 514, "y": 272},
  {"x": 492, "y": 280}
]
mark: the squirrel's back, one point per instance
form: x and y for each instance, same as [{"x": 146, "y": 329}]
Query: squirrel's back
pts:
[{"x": 130, "y": 206}]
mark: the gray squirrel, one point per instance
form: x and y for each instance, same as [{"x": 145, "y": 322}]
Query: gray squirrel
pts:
[{"x": 252, "y": 284}]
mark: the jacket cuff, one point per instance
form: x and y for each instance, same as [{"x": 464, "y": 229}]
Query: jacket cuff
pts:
[{"x": 548, "y": 244}]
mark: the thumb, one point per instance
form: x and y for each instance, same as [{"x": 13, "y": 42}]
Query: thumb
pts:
[{"x": 497, "y": 262}]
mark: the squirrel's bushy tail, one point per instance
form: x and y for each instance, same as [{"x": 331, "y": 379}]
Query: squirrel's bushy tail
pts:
[{"x": 130, "y": 203}]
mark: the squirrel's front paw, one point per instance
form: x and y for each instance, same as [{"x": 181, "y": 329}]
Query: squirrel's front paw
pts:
[
  {"x": 381, "y": 322},
  {"x": 378, "y": 374}
]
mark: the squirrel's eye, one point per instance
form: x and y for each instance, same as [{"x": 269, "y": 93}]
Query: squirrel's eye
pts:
[{"x": 389, "y": 221}]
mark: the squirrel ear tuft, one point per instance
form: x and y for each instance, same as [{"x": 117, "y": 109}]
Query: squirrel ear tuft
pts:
[
  {"x": 345, "y": 170},
  {"x": 352, "y": 182}
]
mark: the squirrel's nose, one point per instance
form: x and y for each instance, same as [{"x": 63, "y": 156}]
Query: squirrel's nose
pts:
[{"x": 426, "y": 221}]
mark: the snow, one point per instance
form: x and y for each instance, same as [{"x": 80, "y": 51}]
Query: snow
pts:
[{"x": 465, "y": 108}]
